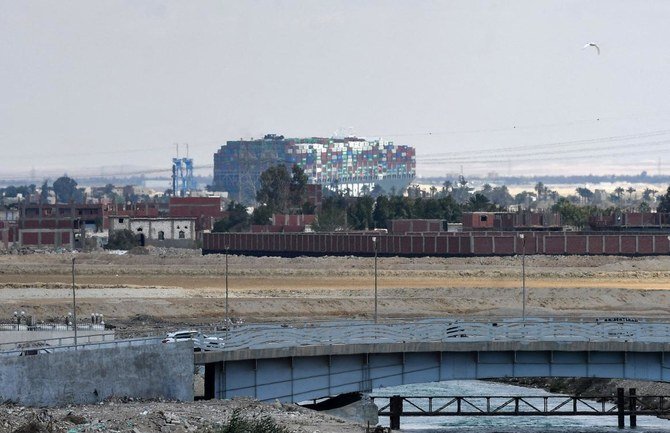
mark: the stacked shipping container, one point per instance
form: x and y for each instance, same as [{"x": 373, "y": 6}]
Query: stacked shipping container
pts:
[{"x": 328, "y": 161}]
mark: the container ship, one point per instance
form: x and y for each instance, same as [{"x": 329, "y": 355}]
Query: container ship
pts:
[{"x": 350, "y": 164}]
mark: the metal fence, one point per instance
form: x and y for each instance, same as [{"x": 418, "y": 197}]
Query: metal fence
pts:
[
  {"x": 255, "y": 336},
  {"x": 259, "y": 336}
]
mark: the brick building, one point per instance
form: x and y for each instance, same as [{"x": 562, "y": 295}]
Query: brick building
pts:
[
  {"x": 206, "y": 210},
  {"x": 57, "y": 225}
]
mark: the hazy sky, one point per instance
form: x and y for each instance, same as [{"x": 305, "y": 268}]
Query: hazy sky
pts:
[{"x": 110, "y": 86}]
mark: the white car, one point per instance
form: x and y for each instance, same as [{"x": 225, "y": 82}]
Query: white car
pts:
[
  {"x": 200, "y": 340},
  {"x": 210, "y": 343},
  {"x": 183, "y": 335}
]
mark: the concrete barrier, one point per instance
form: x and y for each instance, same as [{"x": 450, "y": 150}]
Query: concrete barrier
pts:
[{"x": 89, "y": 376}]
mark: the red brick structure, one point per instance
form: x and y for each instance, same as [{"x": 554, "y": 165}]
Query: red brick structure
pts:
[
  {"x": 137, "y": 210},
  {"x": 8, "y": 233},
  {"x": 282, "y": 223},
  {"x": 57, "y": 225},
  {"x": 511, "y": 221},
  {"x": 473, "y": 243},
  {"x": 206, "y": 210},
  {"x": 416, "y": 226}
]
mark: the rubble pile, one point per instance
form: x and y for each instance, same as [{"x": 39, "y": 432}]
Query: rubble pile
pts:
[{"x": 132, "y": 416}]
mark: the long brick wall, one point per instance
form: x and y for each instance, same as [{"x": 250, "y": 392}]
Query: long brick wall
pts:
[{"x": 437, "y": 244}]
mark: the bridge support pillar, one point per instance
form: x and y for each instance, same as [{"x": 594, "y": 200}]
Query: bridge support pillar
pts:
[
  {"x": 632, "y": 406},
  {"x": 210, "y": 381},
  {"x": 395, "y": 408},
  {"x": 621, "y": 407}
]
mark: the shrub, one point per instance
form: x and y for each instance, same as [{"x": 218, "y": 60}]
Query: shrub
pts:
[
  {"x": 239, "y": 424},
  {"x": 121, "y": 240}
]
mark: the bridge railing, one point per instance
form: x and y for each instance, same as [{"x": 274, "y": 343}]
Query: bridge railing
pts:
[
  {"x": 255, "y": 336},
  {"x": 394, "y": 406},
  {"x": 258, "y": 336},
  {"x": 57, "y": 345}
]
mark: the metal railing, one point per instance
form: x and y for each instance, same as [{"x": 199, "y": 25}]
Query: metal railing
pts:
[
  {"x": 261, "y": 336},
  {"x": 257, "y": 336},
  {"x": 38, "y": 346}
]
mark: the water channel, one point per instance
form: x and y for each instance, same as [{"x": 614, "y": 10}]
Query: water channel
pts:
[{"x": 504, "y": 424}]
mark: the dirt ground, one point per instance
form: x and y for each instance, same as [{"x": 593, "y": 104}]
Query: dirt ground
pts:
[
  {"x": 162, "y": 290},
  {"x": 165, "y": 288}
]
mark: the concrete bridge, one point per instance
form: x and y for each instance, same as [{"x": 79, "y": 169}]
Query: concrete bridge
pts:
[{"x": 294, "y": 364}]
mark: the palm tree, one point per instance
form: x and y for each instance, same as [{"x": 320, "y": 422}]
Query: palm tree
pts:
[
  {"x": 585, "y": 193},
  {"x": 649, "y": 194},
  {"x": 619, "y": 192},
  {"x": 541, "y": 190},
  {"x": 447, "y": 187}
]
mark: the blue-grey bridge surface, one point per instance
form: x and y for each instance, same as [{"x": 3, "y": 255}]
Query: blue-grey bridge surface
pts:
[{"x": 298, "y": 363}]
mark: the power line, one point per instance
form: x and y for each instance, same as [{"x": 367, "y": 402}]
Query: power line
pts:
[
  {"x": 631, "y": 149},
  {"x": 544, "y": 157},
  {"x": 555, "y": 144}
]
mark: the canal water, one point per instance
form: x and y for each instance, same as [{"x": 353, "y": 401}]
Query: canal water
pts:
[{"x": 504, "y": 424}]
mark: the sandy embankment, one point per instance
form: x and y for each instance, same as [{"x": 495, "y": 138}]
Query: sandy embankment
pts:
[{"x": 180, "y": 287}]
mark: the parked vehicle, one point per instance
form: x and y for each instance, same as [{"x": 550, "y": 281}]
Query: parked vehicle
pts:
[
  {"x": 183, "y": 335},
  {"x": 200, "y": 340},
  {"x": 210, "y": 342}
]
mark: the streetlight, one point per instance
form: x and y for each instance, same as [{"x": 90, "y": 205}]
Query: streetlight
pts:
[
  {"x": 227, "y": 317},
  {"x": 74, "y": 307},
  {"x": 523, "y": 275},
  {"x": 374, "y": 245}
]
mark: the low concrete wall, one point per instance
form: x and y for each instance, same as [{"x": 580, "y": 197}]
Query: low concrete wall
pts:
[
  {"x": 89, "y": 376},
  {"x": 57, "y": 338}
]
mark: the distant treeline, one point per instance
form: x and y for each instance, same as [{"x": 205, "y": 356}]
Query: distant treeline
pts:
[{"x": 570, "y": 180}]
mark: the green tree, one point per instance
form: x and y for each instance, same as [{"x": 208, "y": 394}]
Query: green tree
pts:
[
  {"x": 428, "y": 208},
  {"x": 500, "y": 196},
  {"x": 541, "y": 190},
  {"x": 261, "y": 215},
  {"x": 479, "y": 203},
  {"x": 44, "y": 192},
  {"x": 333, "y": 215},
  {"x": 451, "y": 211},
  {"x": 649, "y": 194},
  {"x": 447, "y": 187},
  {"x": 275, "y": 188},
  {"x": 359, "y": 213},
  {"x": 585, "y": 194},
  {"x": 618, "y": 191},
  {"x": 664, "y": 202},
  {"x": 525, "y": 198},
  {"x": 401, "y": 207},
  {"x": 281, "y": 191},
  {"x": 382, "y": 212},
  {"x": 65, "y": 189},
  {"x": 572, "y": 214},
  {"x": 298, "y": 187},
  {"x": 462, "y": 193},
  {"x": 236, "y": 220}
]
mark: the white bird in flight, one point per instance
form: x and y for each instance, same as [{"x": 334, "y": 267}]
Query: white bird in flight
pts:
[{"x": 592, "y": 44}]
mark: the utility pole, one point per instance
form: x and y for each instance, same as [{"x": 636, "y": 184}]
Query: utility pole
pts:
[
  {"x": 523, "y": 275},
  {"x": 227, "y": 316},
  {"x": 74, "y": 307},
  {"x": 374, "y": 243}
]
